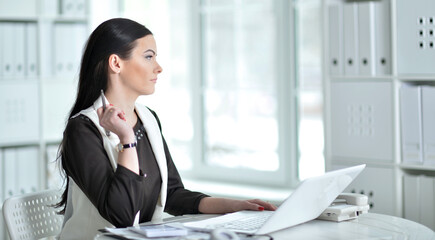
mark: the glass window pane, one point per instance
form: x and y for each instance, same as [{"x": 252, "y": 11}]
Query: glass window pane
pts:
[
  {"x": 169, "y": 22},
  {"x": 311, "y": 140},
  {"x": 240, "y": 87}
]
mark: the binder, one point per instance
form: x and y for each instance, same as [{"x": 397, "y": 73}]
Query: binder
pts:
[
  {"x": 335, "y": 23},
  {"x": 27, "y": 169},
  {"x": 427, "y": 201},
  {"x": 80, "y": 36},
  {"x": 8, "y": 49},
  {"x": 54, "y": 179},
  {"x": 60, "y": 49},
  {"x": 382, "y": 37},
  {"x": 1, "y": 180},
  {"x": 80, "y": 8},
  {"x": 428, "y": 128},
  {"x": 410, "y": 124},
  {"x": 32, "y": 49},
  {"x": 411, "y": 195},
  {"x": 19, "y": 50},
  {"x": 366, "y": 47},
  {"x": 2, "y": 30},
  {"x": 10, "y": 172},
  {"x": 350, "y": 34},
  {"x": 67, "y": 7}
]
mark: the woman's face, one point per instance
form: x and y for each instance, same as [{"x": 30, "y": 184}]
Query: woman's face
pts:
[{"x": 139, "y": 73}]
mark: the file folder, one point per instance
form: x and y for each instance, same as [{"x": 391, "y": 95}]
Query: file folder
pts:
[
  {"x": 350, "y": 33},
  {"x": 60, "y": 49},
  {"x": 80, "y": 8},
  {"x": 19, "y": 50},
  {"x": 32, "y": 49},
  {"x": 80, "y": 37},
  {"x": 335, "y": 22},
  {"x": 411, "y": 201},
  {"x": 8, "y": 49},
  {"x": 10, "y": 175},
  {"x": 27, "y": 169},
  {"x": 427, "y": 201},
  {"x": 382, "y": 37},
  {"x": 366, "y": 47},
  {"x": 2, "y": 30},
  {"x": 54, "y": 179},
  {"x": 1, "y": 179},
  {"x": 67, "y": 7},
  {"x": 428, "y": 129},
  {"x": 411, "y": 127}
]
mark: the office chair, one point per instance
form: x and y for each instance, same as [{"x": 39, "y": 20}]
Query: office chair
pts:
[{"x": 31, "y": 216}]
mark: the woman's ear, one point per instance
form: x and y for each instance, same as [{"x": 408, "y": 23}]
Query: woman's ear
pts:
[{"x": 115, "y": 63}]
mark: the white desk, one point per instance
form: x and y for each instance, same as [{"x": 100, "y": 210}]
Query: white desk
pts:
[{"x": 367, "y": 226}]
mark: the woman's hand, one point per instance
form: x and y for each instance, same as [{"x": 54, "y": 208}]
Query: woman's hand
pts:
[
  {"x": 225, "y": 205},
  {"x": 255, "y": 204},
  {"x": 113, "y": 119}
]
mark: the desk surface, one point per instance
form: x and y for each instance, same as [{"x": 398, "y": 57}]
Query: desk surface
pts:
[{"x": 367, "y": 226}]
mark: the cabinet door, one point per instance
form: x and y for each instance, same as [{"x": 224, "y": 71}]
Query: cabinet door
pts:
[
  {"x": 362, "y": 120},
  {"x": 415, "y": 37},
  {"x": 378, "y": 184},
  {"x": 19, "y": 121}
]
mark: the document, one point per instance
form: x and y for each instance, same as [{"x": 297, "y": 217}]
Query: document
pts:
[
  {"x": 128, "y": 233},
  {"x": 160, "y": 230}
]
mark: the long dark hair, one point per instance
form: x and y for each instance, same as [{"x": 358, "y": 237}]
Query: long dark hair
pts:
[{"x": 114, "y": 36}]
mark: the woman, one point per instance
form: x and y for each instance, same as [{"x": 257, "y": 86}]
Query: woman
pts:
[{"x": 118, "y": 166}]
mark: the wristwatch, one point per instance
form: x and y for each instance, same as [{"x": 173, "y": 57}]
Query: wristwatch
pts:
[{"x": 121, "y": 147}]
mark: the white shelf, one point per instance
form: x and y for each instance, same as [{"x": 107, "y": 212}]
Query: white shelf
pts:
[
  {"x": 417, "y": 167},
  {"x": 18, "y": 19},
  {"x": 361, "y": 78},
  {"x": 417, "y": 78},
  {"x": 50, "y": 96}
]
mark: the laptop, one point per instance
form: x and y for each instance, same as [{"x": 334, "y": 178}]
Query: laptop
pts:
[{"x": 307, "y": 202}]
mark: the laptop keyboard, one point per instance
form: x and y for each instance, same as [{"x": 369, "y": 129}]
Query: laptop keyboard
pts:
[{"x": 243, "y": 221}]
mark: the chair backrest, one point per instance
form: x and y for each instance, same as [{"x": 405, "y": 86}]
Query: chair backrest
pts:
[{"x": 31, "y": 216}]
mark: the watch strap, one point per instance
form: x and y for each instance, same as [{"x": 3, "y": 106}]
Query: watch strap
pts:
[{"x": 121, "y": 147}]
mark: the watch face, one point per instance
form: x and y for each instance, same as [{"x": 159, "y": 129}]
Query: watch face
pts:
[{"x": 120, "y": 147}]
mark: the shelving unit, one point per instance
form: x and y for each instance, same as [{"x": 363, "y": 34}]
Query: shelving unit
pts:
[
  {"x": 363, "y": 121},
  {"x": 35, "y": 96}
]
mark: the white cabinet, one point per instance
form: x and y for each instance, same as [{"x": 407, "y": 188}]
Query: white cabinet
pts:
[
  {"x": 35, "y": 98},
  {"x": 379, "y": 76}
]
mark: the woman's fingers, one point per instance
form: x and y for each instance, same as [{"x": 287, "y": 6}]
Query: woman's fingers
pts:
[
  {"x": 262, "y": 204},
  {"x": 110, "y": 118}
]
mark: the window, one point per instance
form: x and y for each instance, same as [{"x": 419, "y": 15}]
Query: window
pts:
[
  {"x": 309, "y": 79},
  {"x": 228, "y": 98},
  {"x": 247, "y": 102}
]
